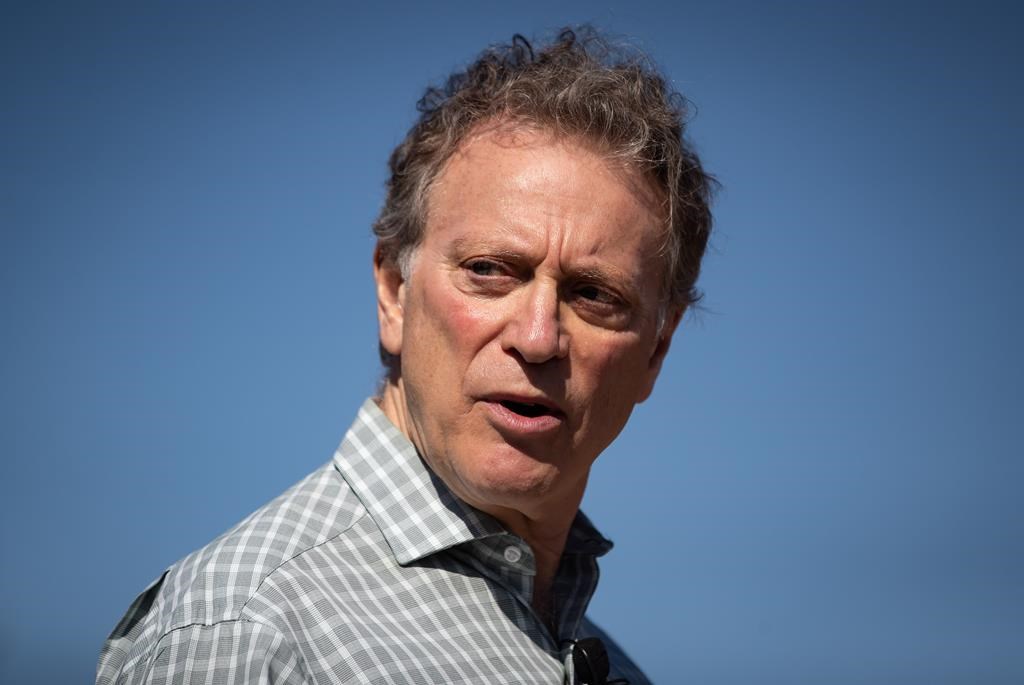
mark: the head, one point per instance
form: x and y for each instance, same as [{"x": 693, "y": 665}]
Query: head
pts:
[
  {"x": 541, "y": 237},
  {"x": 581, "y": 86}
]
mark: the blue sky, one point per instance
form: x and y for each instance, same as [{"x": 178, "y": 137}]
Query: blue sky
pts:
[{"x": 825, "y": 486}]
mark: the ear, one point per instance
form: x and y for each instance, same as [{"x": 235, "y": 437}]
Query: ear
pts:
[
  {"x": 672, "y": 318},
  {"x": 390, "y": 296}
]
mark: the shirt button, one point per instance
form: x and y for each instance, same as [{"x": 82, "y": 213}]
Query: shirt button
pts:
[{"x": 513, "y": 554}]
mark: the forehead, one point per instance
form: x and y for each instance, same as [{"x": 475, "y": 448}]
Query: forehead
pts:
[{"x": 521, "y": 179}]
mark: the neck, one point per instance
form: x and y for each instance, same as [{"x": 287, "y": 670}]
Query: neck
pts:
[
  {"x": 546, "y": 538},
  {"x": 547, "y": 562}
]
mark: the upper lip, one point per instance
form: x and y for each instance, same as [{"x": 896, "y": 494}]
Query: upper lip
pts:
[{"x": 525, "y": 398}]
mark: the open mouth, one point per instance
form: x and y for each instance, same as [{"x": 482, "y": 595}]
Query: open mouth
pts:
[{"x": 526, "y": 409}]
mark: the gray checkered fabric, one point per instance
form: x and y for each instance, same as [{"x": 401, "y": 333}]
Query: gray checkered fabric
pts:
[{"x": 367, "y": 571}]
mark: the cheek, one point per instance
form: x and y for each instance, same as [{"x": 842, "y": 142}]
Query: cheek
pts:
[
  {"x": 462, "y": 323},
  {"x": 613, "y": 372},
  {"x": 467, "y": 323},
  {"x": 611, "y": 361}
]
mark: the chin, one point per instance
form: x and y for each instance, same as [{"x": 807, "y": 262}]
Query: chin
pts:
[{"x": 510, "y": 478}]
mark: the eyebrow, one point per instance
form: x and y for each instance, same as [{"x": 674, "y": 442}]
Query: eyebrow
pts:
[
  {"x": 609, "y": 275},
  {"x": 462, "y": 245}
]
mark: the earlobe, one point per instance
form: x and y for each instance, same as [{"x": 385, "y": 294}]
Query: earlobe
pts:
[
  {"x": 390, "y": 292},
  {"x": 672, "y": 319}
]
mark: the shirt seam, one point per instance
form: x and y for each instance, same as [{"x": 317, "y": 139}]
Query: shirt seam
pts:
[
  {"x": 252, "y": 595},
  {"x": 241, "y": 613},
  {"x": 299, "y": 659}
]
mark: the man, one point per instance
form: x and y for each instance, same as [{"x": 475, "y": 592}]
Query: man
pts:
[{"x": 541, "y": 238}]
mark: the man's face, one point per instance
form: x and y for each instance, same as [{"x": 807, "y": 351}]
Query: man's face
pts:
[{"x": 528, "y": 324}]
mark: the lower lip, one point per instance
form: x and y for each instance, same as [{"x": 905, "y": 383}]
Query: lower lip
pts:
[{"x": 504, "y": 419}]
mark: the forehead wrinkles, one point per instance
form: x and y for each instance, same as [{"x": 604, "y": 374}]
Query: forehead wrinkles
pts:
[
  {"x": 517, "y": 135},
  {"x": 518, "y": 193}
]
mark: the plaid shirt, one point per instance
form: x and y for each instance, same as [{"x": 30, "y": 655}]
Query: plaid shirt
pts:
[{"x": 367, "y": 571}]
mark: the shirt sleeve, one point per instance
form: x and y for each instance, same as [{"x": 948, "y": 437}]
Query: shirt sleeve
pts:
[{"x": 237, "y": 652}]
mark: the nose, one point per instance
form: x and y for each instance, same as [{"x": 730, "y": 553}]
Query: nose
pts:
[{"x": 533, "y": 328}]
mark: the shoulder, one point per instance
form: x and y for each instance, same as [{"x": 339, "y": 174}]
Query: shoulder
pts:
[
  {"x": 204, "y": 596},
  {"x": 233, "y": 652}
]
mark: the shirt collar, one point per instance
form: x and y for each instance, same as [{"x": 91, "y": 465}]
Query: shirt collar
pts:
[
  {"x": 584, "y": 538},
  {"x": 415, "y": 511}
]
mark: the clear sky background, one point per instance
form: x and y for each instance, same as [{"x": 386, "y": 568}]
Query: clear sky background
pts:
[{"x": 826, "y": 486}]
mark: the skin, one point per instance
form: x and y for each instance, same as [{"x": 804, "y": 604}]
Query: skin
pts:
[{"x": 537, "y": 280}]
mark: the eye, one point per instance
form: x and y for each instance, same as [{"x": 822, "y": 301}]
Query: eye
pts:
[
  {"x": 487, "y": 276},
  {"x": 483, "y": 267},
  {"x": 592, "y": 293},
  {"x": 600, "y": 305}
]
